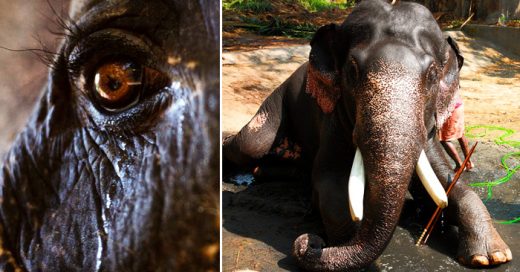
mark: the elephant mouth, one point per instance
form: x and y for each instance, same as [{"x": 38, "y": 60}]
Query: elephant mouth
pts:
[{"x": 356, "y": 184}]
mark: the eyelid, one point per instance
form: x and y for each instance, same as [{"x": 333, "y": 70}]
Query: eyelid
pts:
[{"x": 110, "y": 43}]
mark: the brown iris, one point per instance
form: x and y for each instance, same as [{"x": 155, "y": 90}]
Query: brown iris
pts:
[{"x": 118, "y": 84}]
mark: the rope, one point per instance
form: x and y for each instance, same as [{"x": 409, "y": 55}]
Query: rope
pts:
[{"x": 510, "y": 171}]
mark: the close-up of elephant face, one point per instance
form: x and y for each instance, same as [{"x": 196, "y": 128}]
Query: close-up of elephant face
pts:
[{"x": 118, "y": 167}]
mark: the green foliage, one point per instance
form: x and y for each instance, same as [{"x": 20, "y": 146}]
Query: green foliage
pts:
[
  {"x": 265, "y": 5},
  {"x": 277, "y": 27},
  {"x": 502, "y": 19},
  {"x": 319, "y": 5},
  {"x": 455, "y": 24},
  {"x": 247, "y": 5}
]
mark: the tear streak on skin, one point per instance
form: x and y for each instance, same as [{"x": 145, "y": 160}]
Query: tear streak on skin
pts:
[{"x": 257, "y": 122}]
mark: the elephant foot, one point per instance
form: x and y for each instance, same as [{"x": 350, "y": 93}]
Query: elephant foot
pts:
[{"x": 484, "y": 247}]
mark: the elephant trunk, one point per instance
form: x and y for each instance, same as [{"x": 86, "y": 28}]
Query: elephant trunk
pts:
[
  {"x": 390, "y": 134},
  {"x": 386, "y": 185}
]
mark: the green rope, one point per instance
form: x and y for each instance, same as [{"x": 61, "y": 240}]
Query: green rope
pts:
[
  {"x": 500, "y": 140},
  {"x": 508, "y": 222},
  {"x": 510, "y": 171}
]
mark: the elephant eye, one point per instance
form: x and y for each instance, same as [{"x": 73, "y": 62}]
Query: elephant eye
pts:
[
  {"x": 354, "y": 68},
  {"x": 432, "y": 73},
  {"x": 118, "y": 85}
]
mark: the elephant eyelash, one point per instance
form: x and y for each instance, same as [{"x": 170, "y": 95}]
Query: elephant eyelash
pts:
[
  {"x": 68, "y": 30},
  {"x": 46, "y": 55}
]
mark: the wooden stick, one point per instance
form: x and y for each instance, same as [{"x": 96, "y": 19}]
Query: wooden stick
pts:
[
  {"x": 433, "y": 218},
  {"x": 427, "y": 231},
  {"x": 467, "y": 20},
  {"x": 437, "y": 214}
]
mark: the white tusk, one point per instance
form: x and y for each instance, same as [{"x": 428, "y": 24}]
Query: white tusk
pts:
[
  {"x": 356, "y": 187},
  {"x": 431, "y": 182}
]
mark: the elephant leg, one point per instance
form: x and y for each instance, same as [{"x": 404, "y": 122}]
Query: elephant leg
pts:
[
  {"x": 331, "y": 170},
  {"x": 479, "y": 242},
  {"x": 332, "y": 197},
  {"x": 257, "y": 137}
]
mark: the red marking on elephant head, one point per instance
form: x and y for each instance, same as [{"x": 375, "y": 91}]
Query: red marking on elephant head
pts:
[{"x": 323, "y": 86}]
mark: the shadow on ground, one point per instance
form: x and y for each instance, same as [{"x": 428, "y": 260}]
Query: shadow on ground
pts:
[{"x": 261, "y": 221}]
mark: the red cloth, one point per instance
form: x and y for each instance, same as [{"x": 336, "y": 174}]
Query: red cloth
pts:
[{"x": 453, "y": 128}]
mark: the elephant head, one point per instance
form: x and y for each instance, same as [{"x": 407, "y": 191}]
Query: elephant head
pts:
[
  {"x": 118, "y": 167},
  {"x": 392, "y": 74}
]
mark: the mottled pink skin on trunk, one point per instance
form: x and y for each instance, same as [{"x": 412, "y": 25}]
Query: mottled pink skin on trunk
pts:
[{"x": 390, "y": 133}]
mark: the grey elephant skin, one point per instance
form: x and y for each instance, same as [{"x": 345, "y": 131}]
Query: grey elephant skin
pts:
[
  {"x": 118, "y": 167},
  {"x": 383, "y": 82}
]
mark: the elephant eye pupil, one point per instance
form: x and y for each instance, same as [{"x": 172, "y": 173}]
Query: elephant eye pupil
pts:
[
  {"x": 114, "y": 84},
  {"x": 118, "y": 84}
]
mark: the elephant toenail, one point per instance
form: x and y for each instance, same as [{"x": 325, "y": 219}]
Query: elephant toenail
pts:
[
  {"x": 479, "y": 260},
  {"x": 509, "y": 255},
  {"x": 498, "y": 257}
]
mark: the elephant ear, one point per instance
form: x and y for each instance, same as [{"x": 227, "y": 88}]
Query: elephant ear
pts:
[
  {"x": 323, "y": 80},
  {"x": 448, "y": 94}
]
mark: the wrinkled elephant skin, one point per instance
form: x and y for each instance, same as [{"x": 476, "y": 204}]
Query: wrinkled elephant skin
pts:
[
  {"x": 117, "y": 169},
  {"x": 382, "y": 83}
]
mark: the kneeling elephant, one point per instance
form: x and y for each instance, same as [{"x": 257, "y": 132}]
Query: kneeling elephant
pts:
[{"x": 367, "y": 105}]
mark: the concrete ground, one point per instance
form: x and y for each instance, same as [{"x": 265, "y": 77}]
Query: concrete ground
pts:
[{"x": 261, "y": 221}]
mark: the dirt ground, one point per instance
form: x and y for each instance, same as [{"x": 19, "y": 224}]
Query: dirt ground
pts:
[{"x": 261, "y": 221}]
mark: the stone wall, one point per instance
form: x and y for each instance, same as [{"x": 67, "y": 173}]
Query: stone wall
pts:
[{"x": 487, "y": 10}]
